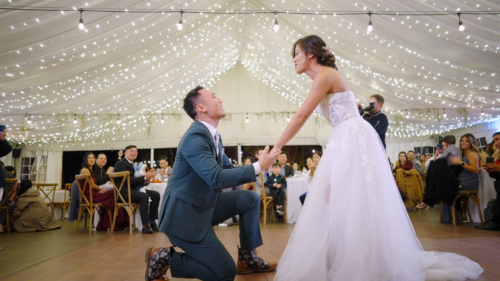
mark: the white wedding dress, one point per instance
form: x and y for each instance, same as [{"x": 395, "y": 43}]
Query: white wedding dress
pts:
[{"x": 354, "y": 225}]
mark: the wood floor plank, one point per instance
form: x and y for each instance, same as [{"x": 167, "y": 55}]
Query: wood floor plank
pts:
[{"x": 66, "y": 255}]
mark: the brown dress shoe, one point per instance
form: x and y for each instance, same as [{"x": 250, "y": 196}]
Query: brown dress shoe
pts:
[
  {"x": 249, "y": 262},
  {"x": 158, "y": 263}
]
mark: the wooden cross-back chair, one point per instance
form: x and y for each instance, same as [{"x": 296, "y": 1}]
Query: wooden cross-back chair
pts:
[
  {"x": 120, "y": 202},
  {"x": 5, "y": 207},
  {"x": 67, "y": 199},
  {"x": 88, "y": 204},
  {"x": 48, "y": 191},
  {"x": 267, "y": 201}
]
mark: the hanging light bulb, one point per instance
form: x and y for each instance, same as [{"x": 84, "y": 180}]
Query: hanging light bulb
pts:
[
  {"x": 288, "y": 118},
  {"x": 444, "y": 113},
  {"x": 461, "y": 26},
  {"x": 81, "y": 26},
  {"x": 162, "y": 121},
  {"x": 179, "y": 25},
  {"x": 74, "y": 121},
  {"x": 482, "y": 112},
  {"x": 118, "y": 121},
  {"x": 29, "y": 118},
  {"x": 248, "y": 120},
  {"x": 276, "y": 25},
  {"x": 407, "y": 114},
  {"x": 370, "y": 26}
]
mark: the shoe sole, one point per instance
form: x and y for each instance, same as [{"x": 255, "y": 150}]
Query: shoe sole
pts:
[
  {"x": 148, "y": 251},
  {"x": 242, "y": 272}
]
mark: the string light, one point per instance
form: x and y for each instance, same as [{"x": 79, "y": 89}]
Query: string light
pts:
[
  {"x": 276, "y": 25},
  {"x": 179, "y": 25},
  {"x": 247, "y": 120},
  {"x": 81, "y": 26},
  {"x": 461, "y": 26},
  {"x": 370, "y": 26}
]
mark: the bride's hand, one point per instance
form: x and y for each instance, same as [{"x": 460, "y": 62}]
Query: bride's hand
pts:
[{"x": 275, "y": 150}]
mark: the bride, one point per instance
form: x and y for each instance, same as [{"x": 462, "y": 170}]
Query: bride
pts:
[{"x": 353, "y": 225}]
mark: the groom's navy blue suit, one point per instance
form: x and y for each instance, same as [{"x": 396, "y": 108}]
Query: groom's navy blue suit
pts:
[{"x": 193, "y": 203}]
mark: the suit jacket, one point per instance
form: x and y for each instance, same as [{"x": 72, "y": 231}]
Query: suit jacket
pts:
[
  {"x": 5, "y": 149},
  {"x": 288, "y": 171},
  {"x": 197, "y": 177},
  {"x": 276, "y": 179},
  {"x": 441, "y": 184},
  {"x": 135, "y": 183}
]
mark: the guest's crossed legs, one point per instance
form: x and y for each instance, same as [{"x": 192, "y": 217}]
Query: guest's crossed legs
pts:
[{"x": 209, "y": 259}]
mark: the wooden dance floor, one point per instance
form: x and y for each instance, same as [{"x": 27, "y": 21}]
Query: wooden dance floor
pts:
[{"x": 66, "y": 255}]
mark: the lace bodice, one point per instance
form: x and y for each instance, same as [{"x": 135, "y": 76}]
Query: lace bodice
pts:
[{"x": 338, "y": 107}]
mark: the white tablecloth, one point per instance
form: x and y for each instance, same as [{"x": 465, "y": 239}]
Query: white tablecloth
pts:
[
  {"x": 159, "y": 187},
  {"x": 295, "y": 188},
  {"x": 486, "y": 193},
  {"x": 58, "y": 198}
]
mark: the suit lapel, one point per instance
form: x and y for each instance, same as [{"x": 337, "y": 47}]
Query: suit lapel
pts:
[
  {"x": 221, "y": 148},
  {"x": 214, "y": 151}
]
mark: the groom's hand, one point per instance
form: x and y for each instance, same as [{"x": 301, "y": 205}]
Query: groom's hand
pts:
[{"x": 267, "y": 159}]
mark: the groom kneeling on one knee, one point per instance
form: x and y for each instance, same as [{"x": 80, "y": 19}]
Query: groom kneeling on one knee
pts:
[{"x": 193, "y": 203}]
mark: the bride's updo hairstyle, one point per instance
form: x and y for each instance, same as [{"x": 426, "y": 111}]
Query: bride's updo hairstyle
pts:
[{"x": 314, "y": 45}]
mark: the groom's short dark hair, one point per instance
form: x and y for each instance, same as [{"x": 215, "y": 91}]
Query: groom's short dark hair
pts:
[{"x": 190, "y": 102}]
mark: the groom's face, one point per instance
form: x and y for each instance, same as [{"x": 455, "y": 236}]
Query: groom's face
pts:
[{"x": 210, "y": 104}]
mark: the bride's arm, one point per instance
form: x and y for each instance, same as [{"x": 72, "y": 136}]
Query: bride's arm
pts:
[{"x": 318, "y": 90}]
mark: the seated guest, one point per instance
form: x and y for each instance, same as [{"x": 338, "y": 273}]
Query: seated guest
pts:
[
  {"x": 311, "y": 165},
  {"x": 165, "y": 170},
  {"x": 422, "y": 160},
  {"x": 403, "y": 163},
  {"x": 148, "y": 212},
  {"x": 449, "y": 149},
  {"x": 247, "y": 186},
  {"x": 286, "y": 170},
  {"x": 296, "y": 168},
  {"x": 469, "y": 177},
  {"x": 414, "y": 162},
  {"x": 100, "y": 173},
  {"x": 316, "y": 157},
  {"x": 277, "y": 184},
  {"x": 410, "y": 184},
  {"x": 31, "y": 212},
  {"x": 99, "y": 195},
  {"x": 11, "y": 170},
  {"x": 494, "y": 170},
  {"x": 490, "y": 151}
]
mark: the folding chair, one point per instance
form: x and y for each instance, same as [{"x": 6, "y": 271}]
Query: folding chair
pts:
[
  {"x": 49, "y": 191},
  {"x": 88, "y": 204},
  {"x": 5, "y": 207}
]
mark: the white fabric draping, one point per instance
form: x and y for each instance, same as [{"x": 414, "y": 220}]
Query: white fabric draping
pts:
[
  {"x": 486, "y": 193},
  {"x": 130, "y": 63}
]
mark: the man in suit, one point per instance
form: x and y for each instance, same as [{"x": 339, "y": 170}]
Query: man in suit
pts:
[
  {"x": 193, "y": 203},
  {"x": 148, "y": 211},
  {"x": 494, "y": 170},
  {"x": 286, "y": 170}
]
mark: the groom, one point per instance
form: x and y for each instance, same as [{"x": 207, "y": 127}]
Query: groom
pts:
[{"x": 193, "y": 203}]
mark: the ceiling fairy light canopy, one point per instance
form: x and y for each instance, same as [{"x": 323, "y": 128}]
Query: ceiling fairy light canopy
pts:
[{"x": 133, "y": 61}]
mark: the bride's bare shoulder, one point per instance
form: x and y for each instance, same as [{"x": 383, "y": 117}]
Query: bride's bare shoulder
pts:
[{"x": 338, "y": 84}]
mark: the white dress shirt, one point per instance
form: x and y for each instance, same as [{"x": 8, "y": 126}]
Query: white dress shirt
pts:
[{"x": 216, "y": 137}]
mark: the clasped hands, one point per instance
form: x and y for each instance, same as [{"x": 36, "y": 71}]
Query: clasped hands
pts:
[
  {"x": 267, "y": 159},
  {"x": 277, "y": 185}
]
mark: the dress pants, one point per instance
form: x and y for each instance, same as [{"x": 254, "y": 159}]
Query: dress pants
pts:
[
  {"x": 142, "y": 199},
  {"x": 278, "y": 196},
  {"x": 208, "y": 259}
]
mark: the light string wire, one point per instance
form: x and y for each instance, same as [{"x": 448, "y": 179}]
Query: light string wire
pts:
[{"x": 249, "y": 12}]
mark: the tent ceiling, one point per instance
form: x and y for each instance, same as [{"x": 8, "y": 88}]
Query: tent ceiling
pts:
[{"x": 127, "y": 64}]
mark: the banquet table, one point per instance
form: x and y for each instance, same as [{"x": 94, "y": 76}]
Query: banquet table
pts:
[
  {"x": 486, "y": 193},
  {"x": 159, "y": 187},
  {"x": 295, "y": 187}
]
